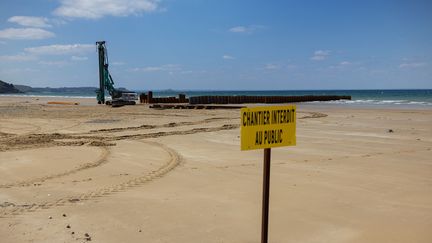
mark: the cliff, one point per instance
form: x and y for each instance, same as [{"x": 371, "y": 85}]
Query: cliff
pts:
[{"x": 6, "y": 88}]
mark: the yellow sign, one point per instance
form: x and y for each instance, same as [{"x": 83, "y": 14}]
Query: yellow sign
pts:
[{"x": 268, "y": 126}]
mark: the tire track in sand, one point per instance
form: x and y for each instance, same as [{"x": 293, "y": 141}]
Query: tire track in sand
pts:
[
  {"x": 58, "y": 139},
  {"x": 172, "y": 124},
  {"x": 174, "y": 160},
  {"x": 25, "y": 183},
  {"x": 311, "y": 115}
]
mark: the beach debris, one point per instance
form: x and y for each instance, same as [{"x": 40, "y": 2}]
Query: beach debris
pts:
[
  {"x": 73, "y": 232},
  {"x": 50, "y": 217},
  {"x": 390, "y": 131},
  {"x": 64, "y": 215},
  {"x": 72, "y": 200},
  {"x": 103, "y": 121},
  {"x": 62, "y": 103},
  {"x": 68, "y": 226},
  {"x": 7, "y": 204},
  {"x": 101, "y": 144},
  {"x": 87, "y": 237}
]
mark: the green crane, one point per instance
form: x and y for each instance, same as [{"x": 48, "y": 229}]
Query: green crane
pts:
[{"x": 105, "y": 80}]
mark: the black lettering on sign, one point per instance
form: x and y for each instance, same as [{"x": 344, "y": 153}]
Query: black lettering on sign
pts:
[
  {"x": 282, "y": 116},
  {"x": 258, "y": 138},
  {"x": 256, "y": 118},
  {"x": 273, "y": 136}
]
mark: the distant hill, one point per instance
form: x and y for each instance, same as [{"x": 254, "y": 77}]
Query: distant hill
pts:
[
  {"x": 6, "y": 88},
  {"x": 63, "y": 90},
  {"x": 23, "y": 88}
]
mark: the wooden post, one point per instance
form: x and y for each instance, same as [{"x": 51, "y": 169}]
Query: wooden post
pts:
[{"x": 266, "y": 195}]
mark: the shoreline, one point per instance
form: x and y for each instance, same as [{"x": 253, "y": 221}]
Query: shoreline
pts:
[{"x": 335, "y": 104}]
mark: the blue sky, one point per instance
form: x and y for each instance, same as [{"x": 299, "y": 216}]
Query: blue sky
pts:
[{"x": 219, "y": 45}]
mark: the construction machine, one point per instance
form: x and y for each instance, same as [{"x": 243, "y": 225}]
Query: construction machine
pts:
[{"x": 106, "y": 83}]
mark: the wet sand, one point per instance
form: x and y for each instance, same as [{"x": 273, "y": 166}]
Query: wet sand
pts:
[{"x": 135, "y": 174}]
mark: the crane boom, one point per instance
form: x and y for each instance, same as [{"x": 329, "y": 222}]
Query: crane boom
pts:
[{"x": 105, "y": 80}]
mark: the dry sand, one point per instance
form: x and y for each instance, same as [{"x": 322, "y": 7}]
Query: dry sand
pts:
[{"x": 134, "y": 174}]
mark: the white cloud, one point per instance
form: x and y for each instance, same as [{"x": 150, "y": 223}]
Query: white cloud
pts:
[
  {"x": 78, "y": 58},
  {"x": 22, "y": 57},
  {"x": 18, "y": 70},
  {"x": 117, "y": 63},
  {"x": 147, "y": 69},
  {"x": 73, "y": 49},
  {"x": 193, "y": 72},
  {"x": 318, "y": 58},
  {"x": 228, "y": 57},
  {"x": 166, "y": 68},
  {"x": 25, "y": 34},
  {"x": 341, "y": 66},
  {"x": 320, "y": 55},
  {"x": 344, "y": 63},
  {"x": 94, "y": 9},
  {"x": 238, "y": 29},
  {"x": 245, "y": 29},
  {"x": 412, "y": 65},
  {"x": 54, "y": 63},
  {"x": 271, "y": 66},
  {"x": 57, "y": 21},
  {"x": 30, "y": 21}
]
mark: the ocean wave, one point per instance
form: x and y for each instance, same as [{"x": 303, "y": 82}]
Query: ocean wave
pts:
[{"x": 377, "y": 102}]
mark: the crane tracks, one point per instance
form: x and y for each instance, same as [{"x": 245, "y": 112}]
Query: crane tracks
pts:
[
  {"x": 94, "y": 137},
  {"x": 11, "y": 209},
  {"x": 172, "y": 124},
  {"x": 59, "y": 139},
  {"x": 102, "y": 138}
]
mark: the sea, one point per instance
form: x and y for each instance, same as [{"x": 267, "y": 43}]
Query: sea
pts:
[{"x": 398, "y": 98}]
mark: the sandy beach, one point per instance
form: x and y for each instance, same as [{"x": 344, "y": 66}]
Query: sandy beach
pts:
[{"x": 79, "y": 173}]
